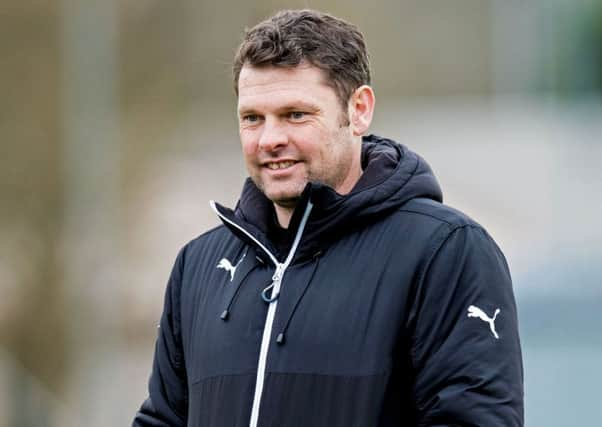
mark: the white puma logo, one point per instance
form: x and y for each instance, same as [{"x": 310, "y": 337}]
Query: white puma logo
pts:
[
  {"x": 227, "y": 265},
  {"x": 474, "y": 311}
]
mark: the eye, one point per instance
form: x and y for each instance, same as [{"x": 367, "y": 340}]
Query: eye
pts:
[
  {"x": 250, "y": 118},
  {"x": 296, "y": 115}
]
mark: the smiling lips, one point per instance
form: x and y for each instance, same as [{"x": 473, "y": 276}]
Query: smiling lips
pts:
[{"x": 280, "y": 165}]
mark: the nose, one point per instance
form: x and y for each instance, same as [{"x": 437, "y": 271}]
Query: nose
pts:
[{"x": 273, "y": 136}]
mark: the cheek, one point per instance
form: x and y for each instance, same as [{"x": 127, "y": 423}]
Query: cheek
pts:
[
  {"x": 339, "y": 153},
  {"x": 248, "y": 143},
  {"x": 314, "y": 141}
]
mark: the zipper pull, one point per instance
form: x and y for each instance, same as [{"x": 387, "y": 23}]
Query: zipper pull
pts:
[
  {"x": 278, "y": 273},
  {"x": 271, "y": 298},
  {"x": 276, "y": 278}
]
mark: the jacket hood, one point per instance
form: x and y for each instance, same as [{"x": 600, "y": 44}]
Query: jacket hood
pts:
[{"x": 392, "y": 175}]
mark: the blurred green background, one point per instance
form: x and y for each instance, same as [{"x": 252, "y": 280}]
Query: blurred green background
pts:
[{"x": 117, "y": 125}]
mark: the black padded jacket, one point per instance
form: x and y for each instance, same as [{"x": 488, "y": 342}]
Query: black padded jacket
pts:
[{"x": 386, "y": 308}]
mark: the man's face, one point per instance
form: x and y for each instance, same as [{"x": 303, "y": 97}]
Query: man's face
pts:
[{"x": 293, "y": 130}]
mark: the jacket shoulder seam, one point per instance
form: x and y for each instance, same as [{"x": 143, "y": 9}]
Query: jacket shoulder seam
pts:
[
  {"x": 427, "y": 214},
  {"x": 459, "y": 221},
  {"x": 439, "y": 242}
]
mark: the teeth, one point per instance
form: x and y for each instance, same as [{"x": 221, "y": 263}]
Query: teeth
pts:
[{"x": 280, "y": 165}]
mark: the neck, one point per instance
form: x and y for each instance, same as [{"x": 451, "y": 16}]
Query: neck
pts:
[{"x": 284, "y": 215}]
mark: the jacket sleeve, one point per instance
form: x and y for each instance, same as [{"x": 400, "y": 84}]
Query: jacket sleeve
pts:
[
  {"x": 464, "y": 336},
  {"x": 167, "y": 402}
]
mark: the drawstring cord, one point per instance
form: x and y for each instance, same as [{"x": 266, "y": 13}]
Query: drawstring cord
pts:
[
  {"x": 226, "y": 313},
  {"x": 282, "y": 335}
]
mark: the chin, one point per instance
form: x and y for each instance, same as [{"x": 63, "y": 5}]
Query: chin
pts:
[{"x": 284, "y": 198}]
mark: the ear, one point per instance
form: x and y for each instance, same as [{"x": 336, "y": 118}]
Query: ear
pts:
[{"x": 361, "y": 109}]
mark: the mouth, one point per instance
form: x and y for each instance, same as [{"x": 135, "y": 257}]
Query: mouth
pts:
[{"x": 284, "y": 164}]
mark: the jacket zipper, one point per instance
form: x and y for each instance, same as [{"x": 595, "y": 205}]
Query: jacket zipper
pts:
[{"x": 269, "y": 321}]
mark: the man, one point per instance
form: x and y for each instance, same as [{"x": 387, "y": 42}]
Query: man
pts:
[{"x": 340, "y": 291}]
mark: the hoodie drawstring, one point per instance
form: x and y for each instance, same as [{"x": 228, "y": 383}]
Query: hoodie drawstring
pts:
[{"x": 280, "y": 340}]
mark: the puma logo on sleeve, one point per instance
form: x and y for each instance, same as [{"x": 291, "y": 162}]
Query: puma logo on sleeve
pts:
[{"x": 474, "y": 311}]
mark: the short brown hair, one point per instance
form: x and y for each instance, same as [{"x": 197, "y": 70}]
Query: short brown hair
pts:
[{"x": 291, "y": 37}]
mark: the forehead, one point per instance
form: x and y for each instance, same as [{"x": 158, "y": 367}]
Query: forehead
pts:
[{"x": 269, "y": 85}]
